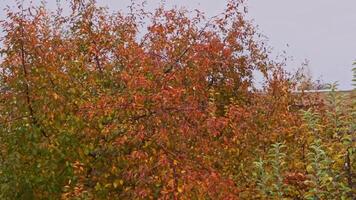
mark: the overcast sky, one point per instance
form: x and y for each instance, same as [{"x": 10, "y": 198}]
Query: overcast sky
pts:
[{"x": 321, "y": 31}]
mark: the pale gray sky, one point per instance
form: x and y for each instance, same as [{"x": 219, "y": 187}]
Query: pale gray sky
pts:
[{"x": 322, "y": 31}]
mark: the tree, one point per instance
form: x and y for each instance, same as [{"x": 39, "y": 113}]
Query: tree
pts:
[{"x": 90, "y": 110}]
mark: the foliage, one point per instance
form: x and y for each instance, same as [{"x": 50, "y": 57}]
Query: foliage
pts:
[
  {"x": 99, "y": 105},
  {"x": 330, "y": 159}
]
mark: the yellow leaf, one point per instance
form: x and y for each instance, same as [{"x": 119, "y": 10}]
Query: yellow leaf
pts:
[
  {"x": 180, "y": 189},
  {"x": 55, "y": 96},
  {"x": 175, "y": 162},
  {"x": 118, "y": 182},
  {"x": 310, "y": 169}
]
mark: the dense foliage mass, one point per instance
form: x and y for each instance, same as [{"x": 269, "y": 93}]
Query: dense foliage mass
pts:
[{"x": 93, "y": 107}]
